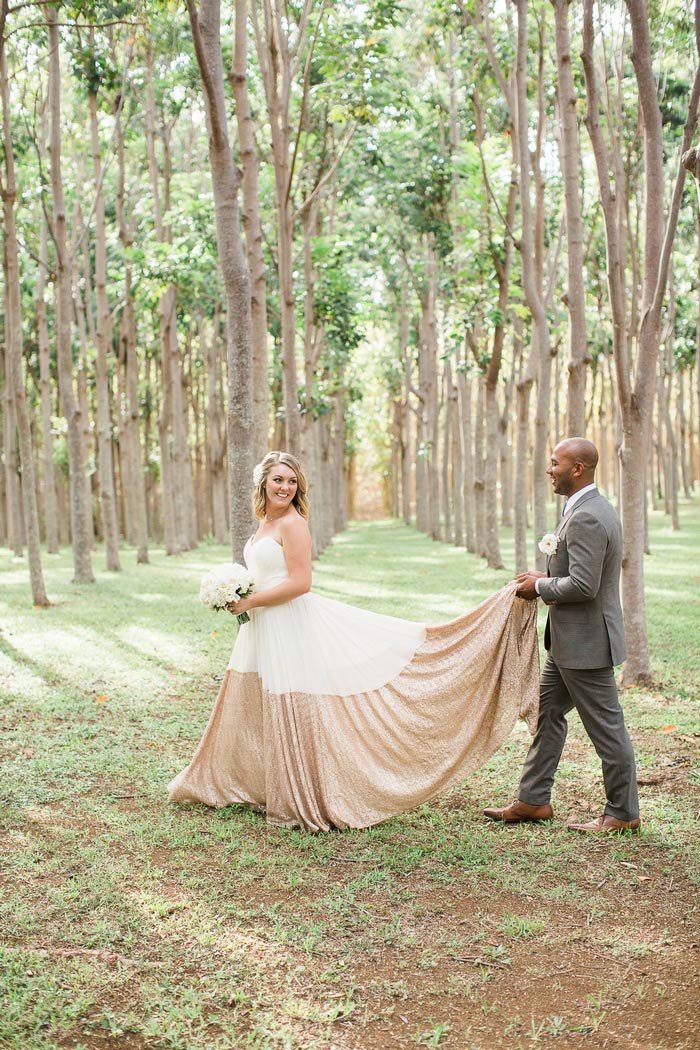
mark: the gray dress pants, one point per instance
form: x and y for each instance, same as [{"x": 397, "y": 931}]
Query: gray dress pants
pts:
[{"x": 593, "y": 692}]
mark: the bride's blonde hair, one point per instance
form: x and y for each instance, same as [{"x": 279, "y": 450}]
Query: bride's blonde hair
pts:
[{"x": 261, "y": 472}]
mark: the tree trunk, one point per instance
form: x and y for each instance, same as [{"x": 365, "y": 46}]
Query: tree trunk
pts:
[
  {"x": 275, "y": 62},
  {"x": 406, "y": 445},
  {"x": 506, "y": 455},
  {"x": 253, "y": 232},
  {"x": 532, "y": 270},
  {"x": 13, "y": 347},
  {"x": 570, "y": 161},
  {"x": 225, "y": 181},
  {"x": 636, "y": 394},
  {"x": 522, "y": 450},
  {"x": 457, "y": 493},
  {"x": 48, "y": 468},
  {"x": 216, "y": 443},
  {"x": 13, "y": 507},
  {"x": 84, "y": 319},
  {"x": 64, "y": 310},
  {"x": 429, "y": 392},
  {"x": 137, "y": 483},
  {"x": 670, "y": 445},
  {"x": 446, "y": 452},
  {"x": 479, "y": 469},
  {"x": 108, "y": 501},
  {"x": 684, "y": 436},
  {"x": 340, "y": 474},
  {"x": 464, "y": 392}
]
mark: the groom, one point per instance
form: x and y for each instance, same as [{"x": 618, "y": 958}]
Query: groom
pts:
[{"x": 584, "y": 637}]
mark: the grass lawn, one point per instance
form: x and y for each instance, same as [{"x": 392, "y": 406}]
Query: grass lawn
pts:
[{"x": 129, "y": 923}]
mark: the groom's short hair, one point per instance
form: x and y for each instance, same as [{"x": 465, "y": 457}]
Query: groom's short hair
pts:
[{"x": 582, "y": 451}]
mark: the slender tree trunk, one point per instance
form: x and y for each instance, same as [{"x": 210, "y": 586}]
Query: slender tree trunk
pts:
[
  {"x": 185, "y": 507},
  {"x": 464, "y": 392},
  {"x": 570, "y": 160},
  {"x": 253, "y": 231},
  {"x": 48, "y": 468},
  {"x": 108, "y": 501},
  {"x": 522, "y": 449},
  {"x": 13, "y": 347},
  {"x": 84, "y": 320},
  {"x": 457, "y": 491},
  {"x": 479, "y": 469},
  {"x": 137, "y": 482},
  {"x": 340, "y": 473},
  {"x": 684, "y": 437},
  {"x": 216, "y": 443},
  {"x": 205, "y": 24},
  {"x": 446, "y": 452},
  {"x": 429, "y": 349},
  {"x": 531, "y": 266},
  {"x": 64, "y": 310},
  {"x": 406, "y": 445},
  {"x": 275, "y": 62},
  {"x": 506, "y": 455},
  {"x": 670, "y": 445},
  {"x": 13, "y": 505}
]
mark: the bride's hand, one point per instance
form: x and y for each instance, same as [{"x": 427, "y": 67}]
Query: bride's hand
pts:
[{"x": 241, "y": 606}]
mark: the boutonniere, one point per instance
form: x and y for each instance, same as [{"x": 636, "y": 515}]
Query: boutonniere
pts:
[{"x": 549, "y": 543}]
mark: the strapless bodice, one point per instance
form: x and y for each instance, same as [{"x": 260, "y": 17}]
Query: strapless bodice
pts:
[{"x": 265, "y": 559}]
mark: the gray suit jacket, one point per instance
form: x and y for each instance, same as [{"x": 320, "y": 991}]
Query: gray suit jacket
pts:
[{"x": 585, "y": 627}]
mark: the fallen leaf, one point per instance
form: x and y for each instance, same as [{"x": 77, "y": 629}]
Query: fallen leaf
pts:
[
  {"x": 152, "y": 743},
  {"x": 650, "y": 778},
  {"x": 644, "y": 878},
  {"x": 100, "y": 699},
  {"x": 214, "y": 634},
  {"x": 627, "y": 864},
  {"x": 668, "y": 729}
]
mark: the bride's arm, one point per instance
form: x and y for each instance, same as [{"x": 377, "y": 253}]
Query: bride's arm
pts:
[{"x": 297, "y": 554}]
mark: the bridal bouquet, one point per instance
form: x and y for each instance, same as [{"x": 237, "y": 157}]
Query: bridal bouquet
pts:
[{"x": 226, "y": 584}]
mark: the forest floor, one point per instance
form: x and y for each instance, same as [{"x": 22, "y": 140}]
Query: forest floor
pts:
[{"x": 133, "y": 924}]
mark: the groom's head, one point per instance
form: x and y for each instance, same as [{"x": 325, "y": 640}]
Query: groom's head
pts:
[{"x": 572, "y": 465}]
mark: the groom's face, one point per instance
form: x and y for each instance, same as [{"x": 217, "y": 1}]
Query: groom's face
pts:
[{"x": 564, "y": 472}]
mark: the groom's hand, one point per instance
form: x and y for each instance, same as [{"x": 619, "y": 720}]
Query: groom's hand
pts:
[{"x": 526, "y": 584}]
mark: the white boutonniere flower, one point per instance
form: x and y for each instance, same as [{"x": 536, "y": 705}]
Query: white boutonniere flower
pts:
[{"x": 549, "y": 543}]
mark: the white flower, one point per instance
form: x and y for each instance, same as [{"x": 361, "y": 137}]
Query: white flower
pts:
[
  {"x": 549, "y": 543},
  {"x": 257, "y": 474},
  {"x": 224, "y": 584}
]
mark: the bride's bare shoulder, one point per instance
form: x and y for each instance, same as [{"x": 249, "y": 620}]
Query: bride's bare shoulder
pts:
[{"x": 294, "y": 528}]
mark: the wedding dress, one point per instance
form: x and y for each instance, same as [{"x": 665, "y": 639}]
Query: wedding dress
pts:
[{"x": 332, "y": 716}]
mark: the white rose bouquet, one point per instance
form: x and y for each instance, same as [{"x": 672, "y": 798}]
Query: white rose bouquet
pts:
[
  {"x": 226, "y": 584},
  {"x": 549, "y": 543}
]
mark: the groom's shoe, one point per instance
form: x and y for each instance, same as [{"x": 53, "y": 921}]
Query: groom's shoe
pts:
[
  {"x": 521, "y": 813},
  {"x": 605, "y": 824}
]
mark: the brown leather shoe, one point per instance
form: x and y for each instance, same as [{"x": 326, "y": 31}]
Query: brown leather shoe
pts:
[
  {"x": 521, "y": 813},
  {"x": 605, "y": 824}
]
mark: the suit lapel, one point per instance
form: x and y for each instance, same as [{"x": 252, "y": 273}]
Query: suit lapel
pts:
[{"x": 566, "y": 518}]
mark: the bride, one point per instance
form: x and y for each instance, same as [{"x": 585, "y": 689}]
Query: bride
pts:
[{"x": 332, "y": 716}]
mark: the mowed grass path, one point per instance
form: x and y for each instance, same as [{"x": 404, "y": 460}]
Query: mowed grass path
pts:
[{"x": 127, "y": 922}]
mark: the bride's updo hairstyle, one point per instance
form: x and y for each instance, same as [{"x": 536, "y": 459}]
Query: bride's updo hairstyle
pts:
[{"x": 260, "y": 474}]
